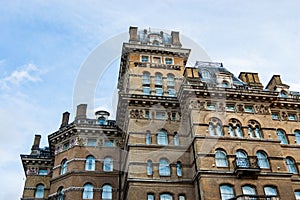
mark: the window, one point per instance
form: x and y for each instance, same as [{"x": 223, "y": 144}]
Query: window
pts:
[
  {"x": 149, "y": 168},
  {"x": 150, "y": 196},
  {"x": 179, "y": 169},
  {"x": 158, "y": 91},
  {"x": 238, "y": 131},
  {"x": 168, "y": 61},
  {"x": 250, "y": 132},
  {"x": 144, "y": 58},
  {"x": 39, "y": 192},
  {"x": 92, "y": 142},
  {"x": 249, "y": 190},
  {"x": 64, "y": 167},
  {"x": 109, "y": 143},
  {"x": 297, "y": 136},
  {"x": 275, "y": 116},
  {"x": 249, "y": 109},
  {"x": 230, "y": 107},
  {"x": 146, "y": 78},
  {"x": 211, "y": 106},
  {"x": 148, "y": 138},
  {"x": 162, "y": 138},
  {"x": 242, "y": 159},
  {"x": 221, "y": 159},
  {"x": 43, "y": 172},
  {"x": 258, "y": 132},
  {"x": 88, "y": 191},
  {"x": 164, "y": 167},
  {"x": 147, "y": 114},
  {"x": 254, "y": 132},
  {"x": 146, "y": 90},
  {"x": 282, "y": 137},
  {"x": 205, "y": 74},
  {"x": 108, "y": 164},
  {"x": 231, "y": 131},
  {"x": 165, "y": 197},
  {"x": 226, "y": 192},
  {"x": 283, "y": 94},
  {"x": 60, "y": 193},
  {"x": 106, "y": 192},
  {"x": 66, "y": 146},
  {"x": 290, "y": 163},
  {"x": 170, "y": 80},
  {"x": 156, "y": 59},
  {"x": 158, "y": 79},
  {"x": 176, "y": 139},
  {"x": 101, "y": 121},
  {"x": 181, "y": 197},
  {"x": 160, "y": 115},
  {"x": 90, "y": 163},
  {"x": 235, "y": 128},
  {"x": 171, "y": 92},
  {"x": 297, "y": 195},
  {"x": 215, "y": 128},
  {"x": 262, "y": 160},
  {"x": 173, "y": 116},
  {"x": 292, "y": 117},
  {"x": 225, "y": 84},
  {"x": 270, "y": 191}
]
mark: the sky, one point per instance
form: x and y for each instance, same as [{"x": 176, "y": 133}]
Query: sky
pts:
[{"x": 45, "y": 44}]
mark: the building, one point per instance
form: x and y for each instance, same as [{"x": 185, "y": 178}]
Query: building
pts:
[{"x": 181, "y": 133}]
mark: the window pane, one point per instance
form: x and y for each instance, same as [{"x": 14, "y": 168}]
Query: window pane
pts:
[
  {"x": 146, "y": 90},
  {"x": 291, "y": 165},
  {"x": 221, "y": 159},
  {"x": 168, "y": 61},
  {"x": 219, "y": 130},
  {"x": 242, "y": 159},
  {"x": 258, "y": 132},
  {"x": 270, "y": 191},
  {"x": 39, "y": 193},
  {"x": 179, "y": 169},
  {"x": 88, "y": 191},
  {"x": 150, "y": 197},
  {"x": 145, "y": 58},
  {"x": 297, "y": 135},
  {"x": 231, "y": 132},
  {"x": 239, "y": 131},
  {"x": 146, "y": 78},
  {"x": 166, "y": 197},
  {"x": 226, "y": 192},
  {"x": 92, "y": 142},
  {"x": 90, "y": 163},
  {"x": 64, "y": 167},
  {"x": 248, "y": 190},
  {"x": 108, "y": 165},
  {"x": 149, "y": 167},
  {"x": 106, "y": 192},
  {"x": 250, "y": 132},
  {"x": 162, "y": 138},
  {"x": 160, "y": 115},
  {"x": 164, "y": 168},
  {"x": 148, "y": 138},
  {"x": 176, "y": 139},
  {"x": 158, "y": 91},
  {"x": 297, "y": 195},
  {"x": 109, "y": 143},
  {"x": 281, "y": 137},
  {"x": 43, "y": 172},
  {"x": 262, "y": 160},
  {"x": 170, "y": 80}
]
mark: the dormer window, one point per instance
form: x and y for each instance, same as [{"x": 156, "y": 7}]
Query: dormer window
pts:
[
  {"x": 102, "y": 121},
  {"x": 225, "y": 84},
  {"x": 284, "y": 94}
]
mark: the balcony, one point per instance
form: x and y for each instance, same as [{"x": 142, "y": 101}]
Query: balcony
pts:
[
  {"x": 255, "y": 197},
  {"x": 246, "y": 167}
]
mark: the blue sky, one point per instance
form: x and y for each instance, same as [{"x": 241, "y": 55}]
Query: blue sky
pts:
[{"x": 43, "y": 45}]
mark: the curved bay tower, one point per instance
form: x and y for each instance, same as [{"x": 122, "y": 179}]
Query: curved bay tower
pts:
[{"x": 181, "y": 133}]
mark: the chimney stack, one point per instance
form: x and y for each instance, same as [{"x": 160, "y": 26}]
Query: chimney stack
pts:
[
  {"x": 251, "y": 79},
  {"x": 81, "y": 111},
  {"x": 175, "y": 38},
  {"x": 133, "y": 36},
  {"x": 65, "y": 119},
  {"x": 36, "y": 144}
]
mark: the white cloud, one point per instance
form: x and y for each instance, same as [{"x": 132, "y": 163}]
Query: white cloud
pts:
[{"x": 25, "y": 73}]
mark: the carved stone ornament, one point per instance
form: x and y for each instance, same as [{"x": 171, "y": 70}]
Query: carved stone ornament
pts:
[{"x": 32, "y": 171}]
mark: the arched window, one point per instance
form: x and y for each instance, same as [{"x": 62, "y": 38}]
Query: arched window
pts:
[
  {"x": 162, "y": 138},
  {"x": 221, "y": 159},
  {"x": 88, "y": 191},
  {"x": 179, "y": 169},
  {"x": 297, "y": 136},
  {"x": 108, "y": 164},
  {"x": 60, "y": 193},
  {"x": 64, "y": 166},
  {"x": 39, "y": 191},
  {"x": 297, "y": 194},
  {"x": 270, "y": 191},
  {"x": 284, "y": 94},
  {"x": 262, "y": 160},
  {"x": 158, "y": 78},
  {"x": 164, "y": 167},
  {"x": 226, "y": 192},
  {"x": 170, "y": 80},
  {"x": 290, "y": 163},
  {"x": 90, "y": 163},
  {"x": 146, "y": 78},
  {"x": 215, "y": 127},
  {"x": 254, "y": 129},
  {"x": 235, "y": 128},
  {"x": 150, "y": 196},
  {"x": 281, "y": 136},
  {"x": 249, "y": 190},
  {"x": 165, "y": 197},
  {"x": 101, "y": 121},
  {"x": 106, "y": 192},
  {"x": 225, "y": 84},
  {"x": 242, "y": 159},
  {"x": 176, "y": 139},
  {"x": 148, "y": 137},
  {"x": 149, "y": 167},
  {"x": 181, "y": 197}
]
